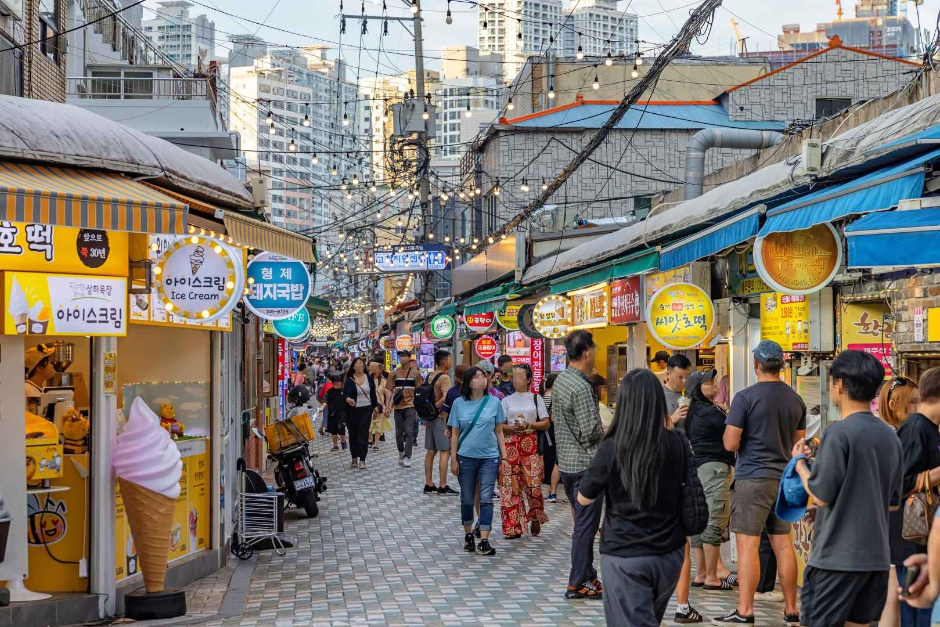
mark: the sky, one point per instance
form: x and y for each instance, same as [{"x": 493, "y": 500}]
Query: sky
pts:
[{"x": 311, "y": 22}]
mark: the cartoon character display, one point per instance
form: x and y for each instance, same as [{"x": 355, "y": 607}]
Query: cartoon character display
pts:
[
  {"x": 74, "y": 429},
  {"x": 169, "y": 422}
]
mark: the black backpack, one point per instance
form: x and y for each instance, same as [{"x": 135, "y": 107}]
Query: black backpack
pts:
[{"x": 425, "y": 403}]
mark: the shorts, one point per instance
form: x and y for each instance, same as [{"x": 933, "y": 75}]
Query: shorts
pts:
[
  {"x": 716, "y": 478},
  {"x": 752, "y": 508},
  {"x": 434, "y": 438},
  {"x": 832, "y": 597}
]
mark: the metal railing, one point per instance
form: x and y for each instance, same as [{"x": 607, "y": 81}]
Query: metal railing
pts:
[{"x": 122, "y": 88}]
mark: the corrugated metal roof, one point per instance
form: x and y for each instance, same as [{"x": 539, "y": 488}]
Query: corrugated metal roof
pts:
[{"x": 642, "y": 116}]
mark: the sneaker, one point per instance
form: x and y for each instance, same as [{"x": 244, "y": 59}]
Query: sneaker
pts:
[
  {"x": 552, "y": 498},
  {"x": 401, "y": 459},
  {"x": 587, "y": 591},
  {"x": 375, "y": 448},
  {"x": 792, "y": 620},
  {"x": 448, "y": 491},
  {"x": 355, "y": 464},
  {"x": 689, "y": 616},
  {"x": 496, "y": 495},
  {"x": 407, "y": 462},
  {"x": 484, "y": 548},
  {"x": 774, "y": 595},
  {"x": 362, "y": 464},
  {"x": 344, "y": 445},
  {"x": 733, "y": 618},
  {"x": 469, "y": 543},
  {"x": 335, "y": 448},
  {"x": 428, "y": 489}
]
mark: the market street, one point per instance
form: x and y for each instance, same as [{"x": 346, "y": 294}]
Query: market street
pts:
[{"x": 382, "y": 553}]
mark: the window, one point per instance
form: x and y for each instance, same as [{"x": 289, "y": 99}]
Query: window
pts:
[
  {"x": 827, "y": 107},
  {"x": 11, "y": 68},
  {"x": 642, "y": 206},
  {"x": 49, "y": 43}
]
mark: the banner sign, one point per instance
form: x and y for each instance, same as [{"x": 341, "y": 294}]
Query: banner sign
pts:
[
  {"x": 478, "y": 323},
  {"x": 416, "y": 258},
  {"x": 784, "y": 319},
  {"x": 526, "y": 320},
  {"x": 625, "y": 301},
  {"x": 387, "y": 343},
  {"x": 799, "y": 262},
  {"x": 48, "y": 248},
  {"x": 552, "y": 316},
  {"x": 508, "y": 318},
  {"x": 537, "y": 363},
  {"x": 293, "y": 327},
  {"x": 442, "y": 327},
  {"x": 865, "y": 327},
  {"x": 486, "y": 347},
  {"x": 680, "y": 316},
  {"x": 59, "y": 304},
  {"x": 589, "y": 308},
  {"x": 199, "y": 278},
  {"x": 279, "y": 286}
]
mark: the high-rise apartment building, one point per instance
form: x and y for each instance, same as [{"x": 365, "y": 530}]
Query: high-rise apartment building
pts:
[
  {"x": 517, "y": 29},
  {"x": 598, "y": 27},
  {"x": 183, "y": 38},
  {"x": 471, "y": 82}
]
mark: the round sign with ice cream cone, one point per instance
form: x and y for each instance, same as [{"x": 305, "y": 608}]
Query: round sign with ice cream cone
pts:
[{"x": 199, "y": 278}]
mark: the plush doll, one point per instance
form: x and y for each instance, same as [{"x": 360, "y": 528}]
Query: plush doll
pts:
[
  {"x": 74, "y": 429},
  {"x": 169, "y": 422}
]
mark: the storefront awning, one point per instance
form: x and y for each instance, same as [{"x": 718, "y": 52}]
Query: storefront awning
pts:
[
  {"x": 895, "y": 239},
  {"x": 417, "y": 327},
  {"x": 319, "y": 308},
  {"x": 493, "y": 299},
  {"x": 448, "y": 310},
  {"x": 714, "y": 239},
  {"x": 876, "y": 191},
  {"x": 86, "y": 199},
  {"x": 256, "y": 234},
  {"x": 626, "y": 266}
]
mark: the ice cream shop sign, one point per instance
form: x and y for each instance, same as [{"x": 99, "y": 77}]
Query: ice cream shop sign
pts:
[
  {"x": 63, "y": 304},
  {"x": 198, "y": 278}
]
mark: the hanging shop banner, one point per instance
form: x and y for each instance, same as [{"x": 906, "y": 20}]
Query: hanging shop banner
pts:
[
  {"x": 625, "y": 304},
  {"x": 590, "y": 308},
  {"x": 48, "y": 248},
  {"x": 680, "y": 316},
  {"x": 517, "y": 345},
  {"x": 865, "y": 328},
  {"x": 279, "y": 286},
  {"x": 404, "y": 343},
  {"x": 743, "y": 279},
  {"x": 486, "y": 347},
  {"x": 478, "y": 323},
  {"x": 537, "y": 361},
  {"x": 508, "y": 318},
  {"x": 62, "y": 304},
  {"x": 552, "y": 316},
  {"x": 784, "y": 319},
  {"x": 415, "y": 258},
  {"x": 799, "y": 262},
  {"x": 199, "y": 278},
  {"x": 442, "y": 327},
  {"x": 526, "y": 320},
  {"x": 293, "y": 327},
  {"x": 387, "y": 343}
]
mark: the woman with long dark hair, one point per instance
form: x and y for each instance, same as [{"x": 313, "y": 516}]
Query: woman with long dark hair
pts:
[
  {"x": 361, "y": 397},
  {"x": 637, "y": 468}
]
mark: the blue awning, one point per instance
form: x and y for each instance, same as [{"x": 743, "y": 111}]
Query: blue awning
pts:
[
  {"x": 714, "y": 239},
  {"x": 876, "y": 191},
  {"x": 895, "y": 239}
]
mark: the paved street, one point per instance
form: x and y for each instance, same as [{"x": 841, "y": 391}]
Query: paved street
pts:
[{"x": 382, "y": 553}]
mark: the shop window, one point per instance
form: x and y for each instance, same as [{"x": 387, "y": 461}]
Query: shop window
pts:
[
  {"x": 827, "y": 107},
  {"x": 642, "y": 206}
]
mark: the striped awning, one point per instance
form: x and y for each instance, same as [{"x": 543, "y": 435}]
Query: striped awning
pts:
[
  {"x": 256, "y": 234},
  {"x": 86, "y": 199}
]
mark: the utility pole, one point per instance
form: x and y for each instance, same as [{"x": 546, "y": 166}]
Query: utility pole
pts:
[{"x": 424, "y": 183}]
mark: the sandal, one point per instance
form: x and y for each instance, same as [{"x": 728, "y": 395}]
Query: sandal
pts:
[
  {"x": 514, "y": 536},
  {"x": 732, "y": 579},
  {"x": 582, "y": 592},
  {"x": 698, "y": 584},
  {"x": 724, "y": 585}
]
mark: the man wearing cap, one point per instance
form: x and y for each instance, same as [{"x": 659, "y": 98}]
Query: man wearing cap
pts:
[
  {"x": 39, "y": 369},
  {"x": 764, "y": 422},
  {"x": 659, "y": 360}
]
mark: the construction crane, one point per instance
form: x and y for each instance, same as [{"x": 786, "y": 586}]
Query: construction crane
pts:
[
  {"x": 741, "y": 41},
  {"x": 838, "y": 9}
]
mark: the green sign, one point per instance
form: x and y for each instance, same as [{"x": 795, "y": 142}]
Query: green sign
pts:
[
  {"x": 442, "y": 327},
  {"x": 294, "y": 326}
]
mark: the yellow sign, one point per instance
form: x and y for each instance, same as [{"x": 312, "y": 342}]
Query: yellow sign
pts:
[
  {"x": 48, "y": 248},
  {"x": 657, "y": 280},
  {"x": 552, "y": 316},
  {"x": 680, "y": 316},
  {"x": 865, "y": 327},
  {"x": 590, "y": 308},
  {"x": 508, "y": 318},
  {"x": 799, "y": 262},
  {"x": 784, "y": 319},
  {"x": 60, "y": 304},
  {"x": 933, "y": 324}
]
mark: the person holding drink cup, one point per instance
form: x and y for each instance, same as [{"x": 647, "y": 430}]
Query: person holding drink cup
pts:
[{"x": 678, "y": 368}]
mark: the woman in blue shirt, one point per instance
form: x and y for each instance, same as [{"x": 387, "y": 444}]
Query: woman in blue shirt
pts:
[{"x": 476, "y": 444}]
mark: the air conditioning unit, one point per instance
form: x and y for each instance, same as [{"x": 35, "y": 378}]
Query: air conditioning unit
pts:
[{"x": 811, "y": 163}]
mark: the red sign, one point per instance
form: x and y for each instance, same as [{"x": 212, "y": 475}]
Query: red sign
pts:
[
  {"x": 625, "y": 302},
  {"x": 537, "y": 363},
  {"x": 486, "y": 347},
  {"x": 881, "y": 352},
  {"x": 479, "y": 323}
]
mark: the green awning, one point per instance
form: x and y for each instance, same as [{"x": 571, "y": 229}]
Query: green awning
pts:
[
  {"x": 319, "y": 308},
  {"x": 416, "y": 328},
  {"x": 448, "y": 310},
  {"x": 493, "y": 299},
  {"x": 625, "y": 266}
]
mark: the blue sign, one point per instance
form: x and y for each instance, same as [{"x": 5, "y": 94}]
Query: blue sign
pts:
[
  {"x": 279, "y": 286},
  {"x": 293, "y": 327},
  {"x": 416, "y": 258}
]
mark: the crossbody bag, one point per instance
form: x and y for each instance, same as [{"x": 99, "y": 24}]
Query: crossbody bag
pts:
[{"x": 463, "y": 436}]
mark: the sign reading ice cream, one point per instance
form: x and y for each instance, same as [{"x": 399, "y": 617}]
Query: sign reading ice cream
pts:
[
  {"x": 60, "y": 304},
  {"x": 198, "y": 278}
]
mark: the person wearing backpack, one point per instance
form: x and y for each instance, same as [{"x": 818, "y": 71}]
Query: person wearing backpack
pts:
[
  {"x": 405, "y": 380},
  {"x": 429, "y": 399}
]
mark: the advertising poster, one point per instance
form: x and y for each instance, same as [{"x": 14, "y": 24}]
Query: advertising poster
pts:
[
  {"x": 865, "y": 327},
  {"x": 60, "y": 304},
  {"x": 558, "y": 358},
  {"x": 517, "y": 345},
  {"x": 784, "y": 319}
]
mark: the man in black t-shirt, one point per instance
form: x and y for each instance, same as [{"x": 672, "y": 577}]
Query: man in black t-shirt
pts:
[
  {"x": 855, "y": 480},
  {"x": 764, "y": 421}
]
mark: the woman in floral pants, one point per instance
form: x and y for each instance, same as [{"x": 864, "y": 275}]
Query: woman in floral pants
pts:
[{"x": 522, "y": 469}]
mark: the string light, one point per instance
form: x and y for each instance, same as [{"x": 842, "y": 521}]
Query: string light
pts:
[
  {"x": 509, "y": 105},
  {"x": 345, "y": 120},
  {"x": 449, "y": 20},
  {"x": 270, "y": 118},
  {"x": 610, "y": 60},
  {"x": 551, "y": 87},
  {"x": 292, "y": 146},
  {"x": 306, "y": 121},
  {"x": 355, "y": 179},
  {"x": 496, "y": 188},
  {"x": 597, "y": 82},
  {"x": 425, "y": 115},
  {"x": 580, "y": 53},
  {"x": 544, "y": 184},
  {"x": 468, "y": 112},
  {"x": 524, "y": 186},
  {"x": 635, "y": 71},
  {"x": 272, "y": 130},
  {"x": 334, "y": 171},
  {"x": 414, "y": 6},
  {"x": 639, "y": 58},
  {"x": 315, "y": 159}
]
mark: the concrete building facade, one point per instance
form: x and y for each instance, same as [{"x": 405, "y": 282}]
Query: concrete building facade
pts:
[
  {"x": 188, "y": 40},
  {"x": 518, "y": 29},
  {"x": 599, "y": 27},
  {"x": 37, "y": 70}
]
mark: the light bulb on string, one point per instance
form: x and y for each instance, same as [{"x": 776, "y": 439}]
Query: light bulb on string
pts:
[
  {"x": 468, "y": 113},
  {"x": 639, "y": 58},
  {"x": 509, "y": 105},
  {"x": 463, "y": 240},
  {"x": 355, "y": 179},
  {"x": 503, "y": 236},
  {"x": 306, "y": 121},
  {"x": 490, "y": 239},
  {"x": 476, "y": 190},
  {"x": 343, "y": 186},
  {"x": 345, "y": 120},
  {"x": 476, "y": 241},
  {"x": 334, "y": 171},
  {"x": 496, "y": 188},
  {"x": 414, "y": 6},
  {"x": 372, "y": 187},
  {"x": 292, "y": 146},
  {"x": 580, "y": 53},
  {"x": 519, "y": 30},
  {"x": 609, "y": 60},
  {"x": 551, "y": 88},
  {"x": 544, "y": 184},
  {"x": 425, "y": 115},
  {"x": 597, "y": 82},
  {"x": 272, "y": 130},
  {"x": 270, "y": 117},
  {"x": 635, "y": 73},
  {"x": 449, "y": 19},
  {"x": 315, "y": 159}
]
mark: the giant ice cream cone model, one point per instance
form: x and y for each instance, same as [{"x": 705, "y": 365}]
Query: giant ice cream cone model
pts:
[{"x": 148, "y": 467}]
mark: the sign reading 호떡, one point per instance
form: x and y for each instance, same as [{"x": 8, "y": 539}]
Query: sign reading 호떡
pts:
[
  {"x": 589, "y": 308},
  {"x": 45, "y": 248},
  {"x": 478, "y": 323},
  {"x": 278, "y": 285},
  {"x": 799, "y": 262},
  {"x": 508, "y": 318},
  {"x": 198, "y": 278},
  {"x": 56, "y": 304},
  {"x": 552, "y": 316},
  {"x": 625, "y": 303},
  {"x": 865, "y": 327},
  {"x": 442, "y": 327},
  {"x": 784, "y": 319},
  {"x": 680, "y": 316},
  {"x": 486, "y": 347}
]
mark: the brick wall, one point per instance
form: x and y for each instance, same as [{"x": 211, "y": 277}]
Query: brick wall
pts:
[
  {"x": 43, "y": 78},
  {"x": 791, "y": 94}
]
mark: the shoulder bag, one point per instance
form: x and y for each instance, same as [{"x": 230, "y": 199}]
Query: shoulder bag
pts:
[
  {"x": 919, "y": 510},
  {"x": 693, "y": 510},
  {"x": 476, "y": 417}
]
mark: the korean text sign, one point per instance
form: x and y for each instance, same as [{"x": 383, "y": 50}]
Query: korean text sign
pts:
[
  {"x": 866, "y": 327},
  {"x": 57, "y": 304},
  {"x": 625, "y": 303},
  {"x": 48, "y": 248},
  {"x": 680, "y": 316},
  {"x": 278, "y": 285},
  {"x": 415, "y": 258},
  {"x": 784, "y": 318}
]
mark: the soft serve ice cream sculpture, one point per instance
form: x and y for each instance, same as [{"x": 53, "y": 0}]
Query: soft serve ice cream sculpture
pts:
[{"x": 148, "y": 467}]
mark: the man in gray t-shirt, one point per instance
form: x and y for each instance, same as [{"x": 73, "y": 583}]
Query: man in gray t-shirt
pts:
[{"x": 678, "y": 368}]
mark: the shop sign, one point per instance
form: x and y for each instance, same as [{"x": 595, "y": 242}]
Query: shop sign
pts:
[
  {"x": 559, "y": 359},
  {"x": 486, "y": 347},
  {"x": 658, "y": 280},
  {"x": 278, "y": 285},
  {"x": 62, "y": 304},
  {"x": 48, "y": 248},
  {"x": 552, "y": 316},
  {"x": 387, "y": 343},
  {"x": 784, "y": 319},
  {"x": 680, "y": 316},
  {"x": 865, "y": 328},
  {"x": 508, "y": 318},
  {"x": 478, "y": 323},
  {"x": 918, "y": 324},
  {"x": 404, "y": 343},
  {"x": 799, "y": 262},
  {"x": 412, "y": 258},
  {"x": 537, "y": 361},
  {"x": 526, "y": 321},
  {"x": 625, "y": 304},
  {"x": 363, "y": 346},
  {"x": 293, "y": 327},
  {"x": 442, "y": 327},
  {"x": 589, "y": 308},
  {"x": 517, "y": 344},
  {"x": 199, "y": 278}
]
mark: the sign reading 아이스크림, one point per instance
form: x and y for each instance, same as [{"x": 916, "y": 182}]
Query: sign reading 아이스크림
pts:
[
  {"x": 784, "y": 319},
  {"x": 478, "y": 323},
  {"x": 486, "y": 347},
  {"x": 680, "y": 316},
  {"x": 198, "y": 278},
  {"x": 799, "y": 262},
  {"x": 55, "y": 304},
  {"x": 278, "y": 285}
]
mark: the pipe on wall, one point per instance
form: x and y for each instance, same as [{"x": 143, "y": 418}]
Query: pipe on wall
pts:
[{"x": 707, "y": 138}]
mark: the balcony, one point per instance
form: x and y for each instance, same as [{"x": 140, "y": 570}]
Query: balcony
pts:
[{"x": 150, "y": 88}]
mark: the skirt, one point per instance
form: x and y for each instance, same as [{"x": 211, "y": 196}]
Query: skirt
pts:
[{"x": 380, "y": 424}]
